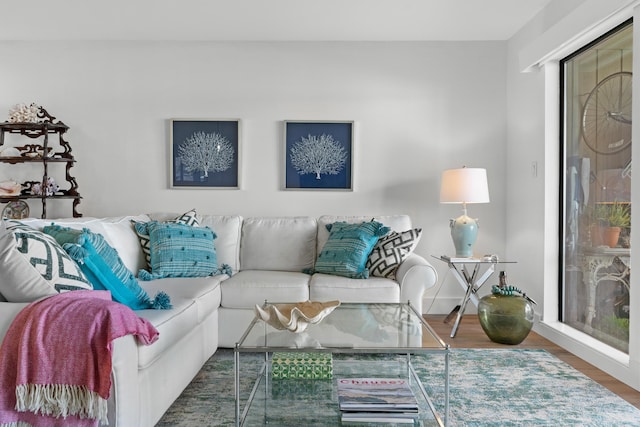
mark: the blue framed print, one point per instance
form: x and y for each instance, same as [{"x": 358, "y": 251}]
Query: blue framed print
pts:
[
  {"x": 204, "y": 153},
  {"x": 319, "y": 155}
]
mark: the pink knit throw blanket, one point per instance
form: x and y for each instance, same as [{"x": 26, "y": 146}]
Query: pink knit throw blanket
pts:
[{"x": 55, "y": 361}]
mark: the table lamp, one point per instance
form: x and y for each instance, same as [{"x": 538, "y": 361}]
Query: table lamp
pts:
[{"x": 465, "y": 185}]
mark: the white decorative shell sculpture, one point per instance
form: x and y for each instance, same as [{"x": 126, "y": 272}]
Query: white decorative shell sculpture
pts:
[
  {"x": 10, "y": 188},
  {"x": 295, "y": 317}
]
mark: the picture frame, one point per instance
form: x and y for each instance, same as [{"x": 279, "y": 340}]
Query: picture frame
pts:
[
  {"x": 318, "y": 155},
  {"x": 204, "y": 153}
]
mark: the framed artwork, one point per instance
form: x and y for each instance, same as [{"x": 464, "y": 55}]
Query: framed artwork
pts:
[
  {"x": 318, "y": 155},
  {"x": 204, "y": 153}
]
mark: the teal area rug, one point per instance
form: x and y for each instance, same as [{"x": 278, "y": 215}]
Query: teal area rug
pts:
[{"x": 490, "y": 387}]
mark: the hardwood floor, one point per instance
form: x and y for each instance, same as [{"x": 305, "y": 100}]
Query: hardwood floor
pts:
[{"x": 471, "y": 335}]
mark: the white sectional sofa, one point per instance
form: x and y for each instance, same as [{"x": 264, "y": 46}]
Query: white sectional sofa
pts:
[{"x": 267, "y": 257}]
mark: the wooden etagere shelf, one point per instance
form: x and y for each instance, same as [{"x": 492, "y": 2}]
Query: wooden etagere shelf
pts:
[{"x": 44, "y": 153}]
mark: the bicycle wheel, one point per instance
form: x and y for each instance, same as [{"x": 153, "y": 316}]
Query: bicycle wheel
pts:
[{"x": 606, "y": 118}]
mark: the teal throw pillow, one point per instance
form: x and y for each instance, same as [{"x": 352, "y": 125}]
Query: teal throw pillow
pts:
[
  {"x": 106, "y": 271},
  {"x": 188, "y": 218},
  {"x": 62, "y": 234},
  {"x": 180, "y": 250},
  {"x": 348, "y": 247}
]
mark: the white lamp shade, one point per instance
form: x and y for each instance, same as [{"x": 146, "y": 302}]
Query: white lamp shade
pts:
[{"x": 464, "y": 185}]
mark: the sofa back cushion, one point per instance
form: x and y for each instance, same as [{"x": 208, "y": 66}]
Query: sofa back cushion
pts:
[
  {"x": 281, "y": 244},
  {"x": 122, "y": 237},
  {"x": 395, "y": 222},
  {"x": 118, "y": 232},
  {"x": 226, "y": 227},
  {"x": 93, "y": 224}
]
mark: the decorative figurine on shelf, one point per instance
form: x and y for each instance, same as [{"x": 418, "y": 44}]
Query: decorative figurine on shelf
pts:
[
  {"x": 9, "y": 152},
  {"x": 10, "y": 188},
  {"x": 47, "y": 188},
  {"x": 17, "y": 209},
  {"x": 23, "y": 113},
  {"x": 506, "y": 315}
]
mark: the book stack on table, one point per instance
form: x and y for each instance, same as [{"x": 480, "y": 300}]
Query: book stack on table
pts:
[{"x": 382, "y": 400}]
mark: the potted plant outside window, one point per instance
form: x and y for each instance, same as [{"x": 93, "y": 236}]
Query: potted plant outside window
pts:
[{"x": 609, "y": 219}]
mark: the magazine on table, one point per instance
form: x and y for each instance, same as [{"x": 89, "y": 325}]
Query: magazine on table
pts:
[
  {"x": 380, "y": 417},
  {"x": 376, "y": 395}
]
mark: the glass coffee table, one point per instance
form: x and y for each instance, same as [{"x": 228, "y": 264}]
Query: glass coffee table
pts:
[{"x": 364, "y": 339}]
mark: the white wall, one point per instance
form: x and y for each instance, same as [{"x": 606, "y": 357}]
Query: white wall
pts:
[{"x": 419, "y": 108}]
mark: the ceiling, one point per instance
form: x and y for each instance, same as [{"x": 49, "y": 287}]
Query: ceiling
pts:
[{"x": 266, "y": 20}]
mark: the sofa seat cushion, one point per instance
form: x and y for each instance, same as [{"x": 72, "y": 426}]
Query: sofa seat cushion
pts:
[
  {"x": 326, "y": 287},
  {"x": 171, "y": 324},
  {"x": 204, "y": 290},
  {"x": 251, "y": 287},
  {"x": 193, "y": 300}
]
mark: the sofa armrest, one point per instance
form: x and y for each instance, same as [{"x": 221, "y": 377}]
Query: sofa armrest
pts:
[
  {"x": 8, "y": 312},
  {"x": 415, "y": 275},
  {"x": 124, "y": 402}
]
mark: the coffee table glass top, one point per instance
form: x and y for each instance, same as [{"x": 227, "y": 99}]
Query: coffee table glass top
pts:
[{"x": 350, "y": 328}]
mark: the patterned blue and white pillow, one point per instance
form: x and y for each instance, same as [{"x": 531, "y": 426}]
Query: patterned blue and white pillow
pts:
[
  {"x": 348, "y": 247},
  {"x": 179, "y": 250},
  {"x": 390, "y": 251},
  {"x": 188, "y": 218},
  {"x": 34, "y": 265}
]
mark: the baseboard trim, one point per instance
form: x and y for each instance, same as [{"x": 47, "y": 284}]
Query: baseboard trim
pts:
[
  {"x": 604, "y": 357},
  {"x": 445, "y": 305}
]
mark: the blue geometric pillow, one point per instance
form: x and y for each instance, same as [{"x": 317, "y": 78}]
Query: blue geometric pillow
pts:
[
  {"x": 179, "y": 250},
  {"x": 106, "y": 271},
  {"x": 348, "y": 247}
]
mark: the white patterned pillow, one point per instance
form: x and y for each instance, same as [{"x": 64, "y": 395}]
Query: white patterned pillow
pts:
[
  {"x": 34, "y": 265},
  {"x": 187, "y": 218},
  {"x": 390, "y": 251}
]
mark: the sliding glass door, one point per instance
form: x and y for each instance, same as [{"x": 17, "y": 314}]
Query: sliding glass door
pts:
[{"x": 596, "y": 187}]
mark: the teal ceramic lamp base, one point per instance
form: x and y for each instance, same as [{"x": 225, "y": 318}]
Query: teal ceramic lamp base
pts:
[{"x": 464, "y": 231}]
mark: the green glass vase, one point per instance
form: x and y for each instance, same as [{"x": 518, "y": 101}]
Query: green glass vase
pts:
[{"x": 506, "y": 319}]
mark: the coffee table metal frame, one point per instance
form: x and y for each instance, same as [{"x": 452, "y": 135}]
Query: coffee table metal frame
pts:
[{"x": 407, "y": 314}]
